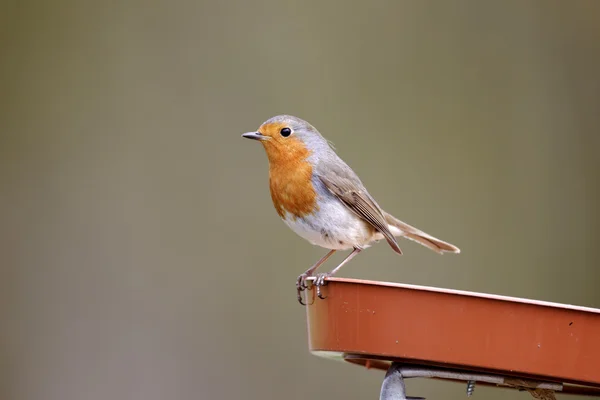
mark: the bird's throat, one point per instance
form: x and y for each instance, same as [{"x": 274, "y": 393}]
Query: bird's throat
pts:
[{"x": 290, "y": 181}]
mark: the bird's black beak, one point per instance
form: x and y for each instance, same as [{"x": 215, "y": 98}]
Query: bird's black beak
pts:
[{"x": 255, "y": 136}]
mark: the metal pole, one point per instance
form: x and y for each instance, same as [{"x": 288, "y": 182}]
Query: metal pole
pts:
[{"x": 393, "y": 387}]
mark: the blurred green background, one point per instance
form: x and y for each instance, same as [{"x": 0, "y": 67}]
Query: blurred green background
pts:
[{"x": 141, "y": 256}]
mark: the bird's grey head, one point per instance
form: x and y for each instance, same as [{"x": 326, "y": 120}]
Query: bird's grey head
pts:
[
  {"x": 299, "y": 128},
  {"x": 286, "y": 136}
]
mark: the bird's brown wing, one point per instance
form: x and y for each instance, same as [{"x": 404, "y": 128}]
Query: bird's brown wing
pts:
[{"x": 358, "y": 200}]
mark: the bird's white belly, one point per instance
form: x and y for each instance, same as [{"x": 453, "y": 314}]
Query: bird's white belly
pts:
[{"x": 333, "y": 226}]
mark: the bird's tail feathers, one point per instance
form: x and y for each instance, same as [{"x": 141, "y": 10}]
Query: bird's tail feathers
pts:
[{"x": 412, "y": 233}]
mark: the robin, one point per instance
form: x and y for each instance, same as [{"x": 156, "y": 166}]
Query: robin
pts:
[{"x": 321, "y": 199}]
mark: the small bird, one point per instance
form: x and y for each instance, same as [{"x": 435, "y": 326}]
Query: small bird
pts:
[{"x": 321, "y": 198}]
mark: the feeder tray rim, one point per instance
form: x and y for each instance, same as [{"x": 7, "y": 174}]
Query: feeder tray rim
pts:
[{"x": 457, "y": 292}]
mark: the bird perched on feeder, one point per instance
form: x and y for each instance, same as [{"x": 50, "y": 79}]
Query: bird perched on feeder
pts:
[{"x": 321, "y": 198}]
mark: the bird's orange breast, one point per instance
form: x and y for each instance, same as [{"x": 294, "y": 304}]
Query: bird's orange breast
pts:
[{"x": 290, "y": 179}]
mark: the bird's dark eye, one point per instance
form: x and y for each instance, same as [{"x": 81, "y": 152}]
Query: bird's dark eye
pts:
[{"x": 285, "y": 132}]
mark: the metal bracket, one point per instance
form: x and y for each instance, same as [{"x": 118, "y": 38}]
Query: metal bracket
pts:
[{"x": 393, "y": 387}]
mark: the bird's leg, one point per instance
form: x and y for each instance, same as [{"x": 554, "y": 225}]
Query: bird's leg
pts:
[
  {"x": 320, "y": 279},
  {"x": 301, "y": 281}
]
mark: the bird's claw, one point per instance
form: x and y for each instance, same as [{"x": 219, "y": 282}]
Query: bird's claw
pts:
[
  {"x": 301, "y": 282},
  {"x": 300, "y": 298},
  {"x": 301, "y": 286},
  {"x": 320, "y": 281}
]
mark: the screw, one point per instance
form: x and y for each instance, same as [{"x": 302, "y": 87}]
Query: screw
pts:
[{"x": 470, "y": 388}]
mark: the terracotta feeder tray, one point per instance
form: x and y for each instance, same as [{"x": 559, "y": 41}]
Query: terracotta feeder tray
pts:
[{"x": 416, "y": 331}]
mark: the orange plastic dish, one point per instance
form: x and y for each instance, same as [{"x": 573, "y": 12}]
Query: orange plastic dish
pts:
[{"x": 374, "y": 323}]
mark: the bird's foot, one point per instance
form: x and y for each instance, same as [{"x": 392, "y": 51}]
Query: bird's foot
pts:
[
  {"x": 320, "y": 281},
  {"x": 301, "y": 282},
  {"x": 301, "y": 286}
]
